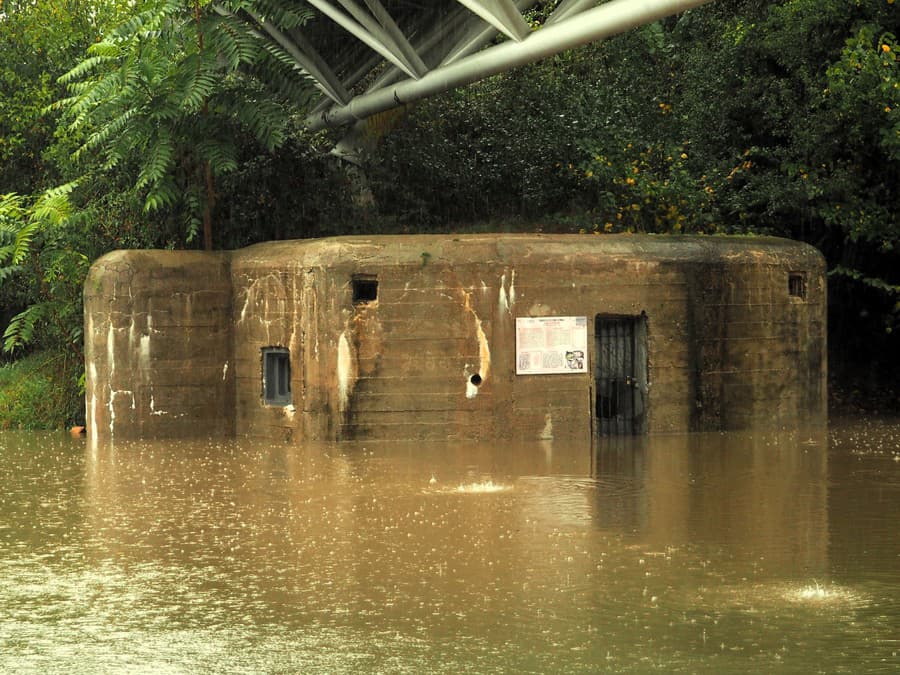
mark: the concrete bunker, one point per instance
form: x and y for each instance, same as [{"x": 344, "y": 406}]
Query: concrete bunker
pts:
[{"x": 456, "y": 337}]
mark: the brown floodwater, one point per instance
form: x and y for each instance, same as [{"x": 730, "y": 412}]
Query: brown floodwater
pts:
[{"x": 691, "y": 553}]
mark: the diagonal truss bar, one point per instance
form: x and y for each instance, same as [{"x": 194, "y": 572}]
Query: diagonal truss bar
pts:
[
  {"x": 321, "y": 66},
  {"x": 479, "y": 35},
  {"x": 569, "y": 8},
  {"x": 572, "y": 30},
  {"x": 501, "y": 14},
  {"x": 394, "y": 33},
  {"x": 352, "y": 26},
  {"x": 307, "y": 59},
  {"x": 386, "y": 37},
  {"x": 304, "y": 55}
]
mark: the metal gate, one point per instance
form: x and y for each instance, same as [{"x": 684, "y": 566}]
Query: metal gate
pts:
[{"x": 620, "y": 375}]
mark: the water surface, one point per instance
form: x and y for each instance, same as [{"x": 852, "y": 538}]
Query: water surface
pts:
[{"x": 691, "y": 553}]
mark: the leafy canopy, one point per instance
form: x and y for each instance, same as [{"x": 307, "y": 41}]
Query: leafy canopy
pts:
[{"x": 169, "y": 96}]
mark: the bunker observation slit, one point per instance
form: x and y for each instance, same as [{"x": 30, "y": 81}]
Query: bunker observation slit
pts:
[{"x": 276, "y": 376}]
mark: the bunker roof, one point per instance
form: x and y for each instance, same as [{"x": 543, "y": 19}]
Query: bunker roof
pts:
[{"x": 527, "y": 249}]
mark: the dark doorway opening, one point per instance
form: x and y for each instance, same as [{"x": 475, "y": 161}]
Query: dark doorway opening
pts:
[{"x": 620, "y": 375}]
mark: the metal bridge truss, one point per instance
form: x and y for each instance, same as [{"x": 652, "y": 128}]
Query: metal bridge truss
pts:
[{"x": 369, "y": 56}]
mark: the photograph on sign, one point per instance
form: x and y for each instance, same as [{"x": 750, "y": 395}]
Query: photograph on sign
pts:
[{"x": 548, "y": 345}]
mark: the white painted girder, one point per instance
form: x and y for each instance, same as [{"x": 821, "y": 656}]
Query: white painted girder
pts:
[
  {"x": 479, "y": 34},
  {"x": 308, "y": 60},
  {"x": 360, "y": 32},
  {"x": 568, "y": 8},
  {"x": 501, "y": 14}
]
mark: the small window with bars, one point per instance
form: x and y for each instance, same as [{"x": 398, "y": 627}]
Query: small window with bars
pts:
[
  {"x": 276, "y": 372},
  {"x": 797, "y": 285}
]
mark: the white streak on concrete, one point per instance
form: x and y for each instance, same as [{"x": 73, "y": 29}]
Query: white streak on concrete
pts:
[
  {"x": 247, "y": 294},
  {"x": 293, "y": 346},
  {"x": 153, "y": 410},
  {"x": 112, "y": 406},
  {"x": 471, "y": 389},
  {"x": 112, "y": 413},
  {"x": 92, "y": 428},
  {"x": 346, "y": 374},
  {"x": 547, "y": 431},
  {"x": 224, "y": 371},
  {"x": 131, "y": 332},
  {"x": 111, "y": 359},
  {"x": 503, "y": 301},
  {"x": 111, "y": 351},
  {"x": 144, "y": 354},
  {"x": 512, "y": 290},
  {"x": 405, "y": 292},
  {"x": 311, "y": 305}
]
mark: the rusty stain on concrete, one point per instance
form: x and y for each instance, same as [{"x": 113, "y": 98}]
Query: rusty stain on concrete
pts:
[
  {"x": 484, "y": 351},
  {"x": 174, "y": 340}
]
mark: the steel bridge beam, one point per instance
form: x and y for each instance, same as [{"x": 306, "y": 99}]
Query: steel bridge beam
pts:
[{"x": 573, "y": 29}]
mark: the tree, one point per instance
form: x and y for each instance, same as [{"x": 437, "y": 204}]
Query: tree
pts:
[
  {"x": 169, "y": 96},
  {"x": 160, "y": 108},
  {"x": 39, "y": 41}
]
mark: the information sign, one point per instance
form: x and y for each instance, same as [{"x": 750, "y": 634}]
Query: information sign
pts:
[{"x": 548, "y": 345}]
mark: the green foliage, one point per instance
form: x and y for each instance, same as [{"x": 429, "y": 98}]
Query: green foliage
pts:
[
  {"x": 37, "y": 243},
  {"x": 166, "y": 96},
  {"x": 40, "y": 256},
  {"x": 650, "y": 190},
  {"x": 298, "y": 190},
  {"x": 36, "y": 392},
  {"x": 157, "y": 110},
  {"x": 493, "y": 149},
  {"x": 39, "y": 41}
]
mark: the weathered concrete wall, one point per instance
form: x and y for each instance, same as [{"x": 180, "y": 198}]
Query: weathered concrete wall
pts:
[
  {"x": 158, "y": 345},
  {"x": 728, "y": 345}
]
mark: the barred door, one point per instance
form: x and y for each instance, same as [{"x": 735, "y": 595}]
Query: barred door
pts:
[{"x": 620, "y": 375}]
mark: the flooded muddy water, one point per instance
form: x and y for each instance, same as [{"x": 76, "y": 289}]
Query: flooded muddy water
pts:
[{"x": 692, "y": 553}]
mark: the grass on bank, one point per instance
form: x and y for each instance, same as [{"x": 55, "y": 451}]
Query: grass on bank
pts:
[{"x": 38, "y": 391}]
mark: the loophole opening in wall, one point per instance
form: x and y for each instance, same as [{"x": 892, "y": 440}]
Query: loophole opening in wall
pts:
[
  {"x": 797, "y": 285},
  {"x": 365, "y": 289},
  {"x": 276, "y": 372},
  {"x": 476, "y": 379}
]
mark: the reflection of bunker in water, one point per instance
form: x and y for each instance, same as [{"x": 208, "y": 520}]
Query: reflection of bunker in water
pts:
[{"x": 457, "y": 337}]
